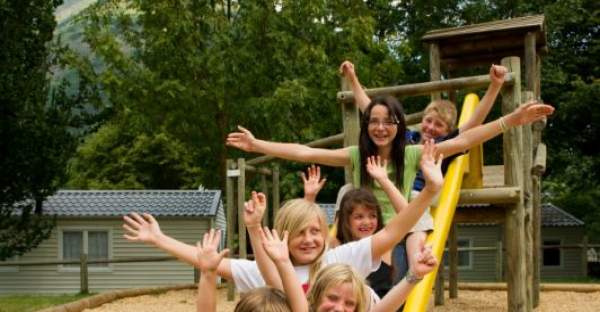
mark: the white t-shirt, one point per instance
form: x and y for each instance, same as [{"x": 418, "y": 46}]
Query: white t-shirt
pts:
[{"x": 356, "y": 254}]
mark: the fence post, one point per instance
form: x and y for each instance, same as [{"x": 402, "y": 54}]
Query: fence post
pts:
[
  {"x": 83, "y": 273},
  {"x": 439, "y": 284},
  {"x": 584, "y": 259}
]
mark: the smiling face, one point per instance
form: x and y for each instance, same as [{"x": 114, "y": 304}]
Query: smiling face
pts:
[
  {"x": 382, "y": 128},
  {"x": 433, "y": 126},
  {"x": 362, "y": 221},
  {"x": 306, "y": 246},
  {"x": 340, "y": 297}
]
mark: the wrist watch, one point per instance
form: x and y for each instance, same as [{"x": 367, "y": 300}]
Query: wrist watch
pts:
[{"x": 411, "y": 278}]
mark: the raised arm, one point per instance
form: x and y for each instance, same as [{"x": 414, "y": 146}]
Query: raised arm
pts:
[
  {"x": 253, "y": 214},
  {"x": 497, "y": 73},
  {"x": 313, "y": 183},
  {"x": 402, "y": 222},
  {"x": 425, "y": 263},
  {"x": 277, "y": 250},
  {"x": 145, "y": 229},
  {"x": 208, "y": 262},
  {"x": 524, "y": 114},
  {"x": 244, "y": 140},
  {"x": 361, "y": 98},
  {"x": 376, "y": 167}
]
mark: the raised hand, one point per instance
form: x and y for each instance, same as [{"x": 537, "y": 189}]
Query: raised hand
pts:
[
  {"x": 528, "y": 113},
  {"x": 244, "y": 139},
  {"x": 254, "y": 209},
  {"x": 276, "y": 248},
  {"x": 313, "y": 183},
  {"x": 432, "y": 167},
  {"x": 347, "y": 69},
  {"x": 208, "y": 257},
  {"x": 497, "y": 73},
  {"x": 142, "y": 228},
  {"x": 426, "y": 262},
  {"x": 377, "y": 167}
]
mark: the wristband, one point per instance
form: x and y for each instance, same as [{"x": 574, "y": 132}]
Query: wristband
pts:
[
  {"x": 503, "y": 126},
  {"x": 411, "y": 278}
]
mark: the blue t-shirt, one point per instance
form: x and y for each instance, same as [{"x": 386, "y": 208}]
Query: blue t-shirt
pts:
[{"x": 414, "y": 137}]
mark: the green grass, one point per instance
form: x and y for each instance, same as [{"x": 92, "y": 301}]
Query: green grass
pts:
[{"x": 28, "y": 303}]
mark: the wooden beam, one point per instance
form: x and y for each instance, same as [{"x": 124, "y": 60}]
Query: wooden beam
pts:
[
  {"x": 515, "y": 214},
  {"x": 453, "y": 261},
  {"x": 530, "y": 63},
  {"x": 527, "y": 163},
  {"x": 539, "y": 163},
  {"x": 490, "y": 214},
  {"x": 231, "y": 216},
  {"x": 261, "y": 170},
  {"x": 241, "y": 194},
  {"x": 439, "y": 285},
  {"x": 350, "y": 125},
  {"x": 423, "y": 88},
  {"x": 493, "y": 195},
  {"x": 435, "y": 71},
  {"x": 324, "y": 142},
  {"x": 276, "y": 201}
]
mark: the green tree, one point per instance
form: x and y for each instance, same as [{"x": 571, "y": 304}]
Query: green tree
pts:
[{"x": 34, "y": 125}]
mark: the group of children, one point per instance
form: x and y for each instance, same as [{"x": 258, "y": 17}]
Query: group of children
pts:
[{"x": 297, "y": 266}]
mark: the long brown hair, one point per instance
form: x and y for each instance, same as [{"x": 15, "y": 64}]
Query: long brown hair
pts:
[
  {"x": 368, "y": 148},
  {"x": 351, "y": 199}
]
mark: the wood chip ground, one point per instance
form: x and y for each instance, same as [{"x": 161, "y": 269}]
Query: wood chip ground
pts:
[{"x": 476, "y": 301}]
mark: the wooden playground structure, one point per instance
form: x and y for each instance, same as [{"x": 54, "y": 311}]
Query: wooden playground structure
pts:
[{"x": 512, "y": 190}]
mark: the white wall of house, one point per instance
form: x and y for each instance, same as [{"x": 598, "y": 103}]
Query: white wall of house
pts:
[{"x": 57, "y": 279}]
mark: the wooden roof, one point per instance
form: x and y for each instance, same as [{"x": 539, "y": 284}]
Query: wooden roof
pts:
[
  {"x": 522, "y": 24},
  {"x": 485, "y": 43}
]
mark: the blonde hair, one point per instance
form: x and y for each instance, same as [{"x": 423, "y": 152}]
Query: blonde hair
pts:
[
  {"x": 266, "y": 299},
  {"x": 445, "y": 109},
  {"x": 294, "y": 216},
  {"x": 333, "y": 275}
]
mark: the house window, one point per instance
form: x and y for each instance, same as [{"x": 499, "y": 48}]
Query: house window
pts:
[
  {"x": 551, "y": 256},
  {"x": 93, "y": 242},
  {"x": 464, "y": 256}
]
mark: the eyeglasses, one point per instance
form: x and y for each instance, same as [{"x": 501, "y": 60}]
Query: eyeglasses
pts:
[{"x": 374, "y": 123}]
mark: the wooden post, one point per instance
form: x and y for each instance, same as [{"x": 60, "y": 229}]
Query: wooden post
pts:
[
  {"x": 530, "y": 63},
  {"x": 439, "y": 284},
  {"x": 351, "y": 126},
  {"x": 499, "y": 261},
  {"x": 83, "y": 273},
  {"x": 275, "y": 192},
  {"x": 435, "y": 72},
  {"x": 231, "y": 216},
  {"x": 453, "y": 262},
  {"x": 584, "y": 258},
  {"x": 515, "y": 214},
  {"x": 241, "y": 194},
  {"x": 527, "y": 159},
  {"x": 265, "y": 190}
]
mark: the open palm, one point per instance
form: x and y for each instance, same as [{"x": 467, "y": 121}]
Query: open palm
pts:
[{"x": 141, "y": 228}]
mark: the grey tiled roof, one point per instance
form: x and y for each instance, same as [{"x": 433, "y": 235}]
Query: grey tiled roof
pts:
[
  {"x": 554, "y": 216},
  {"x": 329, "y": 210},
  {"x": 109, "y": 203}
]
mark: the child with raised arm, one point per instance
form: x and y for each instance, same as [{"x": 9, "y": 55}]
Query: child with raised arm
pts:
[
  {"x": 263, "y": 299},
  {"x": 438, "y": 123},
  {"x": 307, "y": 229},
  {"x": 338, "y": 287}
]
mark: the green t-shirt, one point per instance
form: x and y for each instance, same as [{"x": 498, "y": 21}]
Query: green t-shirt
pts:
[{"x": 412, "y": 156}]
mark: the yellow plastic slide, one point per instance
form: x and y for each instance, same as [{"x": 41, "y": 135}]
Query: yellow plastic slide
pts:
[{"x": 443, "y": 214}]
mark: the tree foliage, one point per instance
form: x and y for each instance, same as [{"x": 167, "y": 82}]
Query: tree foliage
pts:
[
  {"x": 174, "y": 77},
  {"x": 34, "y": 126}
]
